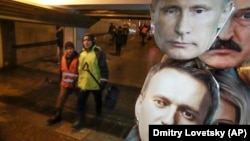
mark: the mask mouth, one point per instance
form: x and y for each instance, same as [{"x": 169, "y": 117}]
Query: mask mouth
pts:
[{"x": 229, "y": 44}]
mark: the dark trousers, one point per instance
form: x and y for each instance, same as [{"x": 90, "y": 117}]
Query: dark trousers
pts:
[
  {"x": 82, "y": 99},
  {"x": 143, "y": 36},
  {"x": 62, "y": 97},
  {"x": 118, "y": 48}
]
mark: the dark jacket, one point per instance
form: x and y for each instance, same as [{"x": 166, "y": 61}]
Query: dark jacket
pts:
[
  {"x": 133, "y": 134},
  {"x": 59, "y": 38},
  {"x": 102, "y": 61},
  {"x": 119, "y": 37}
]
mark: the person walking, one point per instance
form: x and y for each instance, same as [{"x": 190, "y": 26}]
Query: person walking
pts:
[
  {"x": 119, "y": 40},
  {"x": 144, "y": 29},
  {"x": 126, "y": 32},
  {"x": 111, "y": 31},
  {"x": 93, "y": 77},
  {"x": 68, "y": 64}
]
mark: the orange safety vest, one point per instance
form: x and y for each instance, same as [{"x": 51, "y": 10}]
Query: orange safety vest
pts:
[
  {"x": 69, "y": 75},
  {"x": 144, "y": 30}
]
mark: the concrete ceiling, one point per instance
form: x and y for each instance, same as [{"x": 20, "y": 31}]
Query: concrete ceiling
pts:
[
  {"x": 111, "y": 11},
  {"x": 77, "y": 13},
  {"x": 129, "y": 9}
]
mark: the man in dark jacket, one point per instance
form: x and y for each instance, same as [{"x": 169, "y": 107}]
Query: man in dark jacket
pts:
[
  {"x": 119, "y": 40},
  {"x": 59, "y": 41},
  {"x": 111, "y": 31}
]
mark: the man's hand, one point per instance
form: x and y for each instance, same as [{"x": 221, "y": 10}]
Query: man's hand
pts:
[{"x": 103, "y": 85}]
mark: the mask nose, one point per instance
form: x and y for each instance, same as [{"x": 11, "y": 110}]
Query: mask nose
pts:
[{"x": 183, "y": 25}]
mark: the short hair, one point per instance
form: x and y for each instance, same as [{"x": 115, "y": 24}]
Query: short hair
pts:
[
  {"x": 91, "y": 36},
  {"x": 69, "y": 44},
  {"x": 193, "y": 69},
  {"x": 236, "y": 92},
  {"x": 57, "y": 27}
]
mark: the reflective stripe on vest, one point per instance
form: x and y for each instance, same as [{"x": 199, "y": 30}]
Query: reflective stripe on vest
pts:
[
  {"x": 68, "y": 77},
  {"x": 68, "y": 73}
]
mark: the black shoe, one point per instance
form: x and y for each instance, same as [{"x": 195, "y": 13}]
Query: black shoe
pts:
[
  {"x": 77, "y": 125},
  {"x": 53, "y": 120}
]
